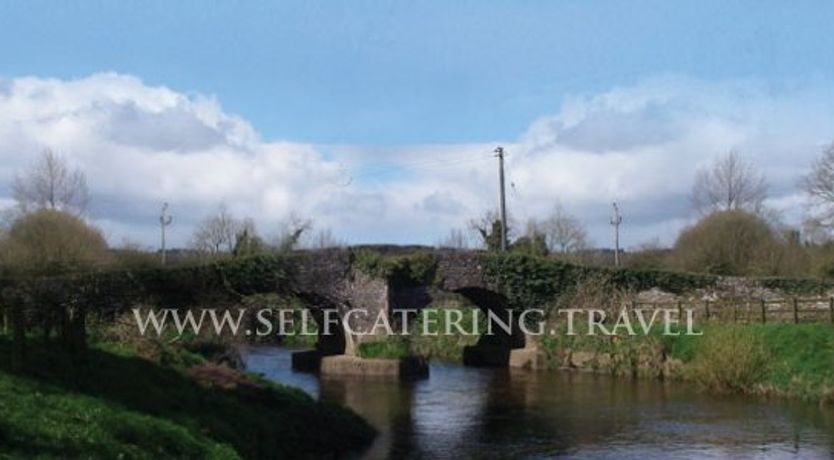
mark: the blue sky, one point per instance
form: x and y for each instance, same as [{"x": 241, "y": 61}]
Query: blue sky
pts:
[
  {"x": 368, "y": 72},
  {"x": 360, "y": 93}
]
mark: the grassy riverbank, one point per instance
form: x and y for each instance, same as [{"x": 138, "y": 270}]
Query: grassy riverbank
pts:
[
  {"x": 119, "y": 404},
  {"x": 795, "y": 361}
]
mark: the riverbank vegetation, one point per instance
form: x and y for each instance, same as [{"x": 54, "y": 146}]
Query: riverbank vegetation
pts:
[
  {"x": 784, "y": 360},
  {"x": 774, "y": 359},
  {"x": 158, "y": 399},
  {"x": 789, "y": 360}
]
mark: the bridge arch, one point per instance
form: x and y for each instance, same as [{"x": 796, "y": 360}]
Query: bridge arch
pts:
[
  {"x": 494, "y": 303},
  {"x": 336, "y": 341}
]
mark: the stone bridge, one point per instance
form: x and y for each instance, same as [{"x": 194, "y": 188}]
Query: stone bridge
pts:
[
  {"x": 331, "y": 280},
  {"x": 377, "y": 279}
]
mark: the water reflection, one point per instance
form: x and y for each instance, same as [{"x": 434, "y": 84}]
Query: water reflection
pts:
[
  {"x": 386, "y": 404},
  {"x": 499, "y": 413}
]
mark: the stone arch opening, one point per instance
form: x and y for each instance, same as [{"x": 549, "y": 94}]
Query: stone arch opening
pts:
[
  {"x": 492, "y": 350},
  {"x": 333, "y": 343}
]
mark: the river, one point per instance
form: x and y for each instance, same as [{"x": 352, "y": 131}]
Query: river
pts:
[{"x": 461, "y": 412}]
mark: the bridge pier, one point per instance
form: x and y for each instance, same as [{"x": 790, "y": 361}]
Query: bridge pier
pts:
[{"x": 312, "y": 361}]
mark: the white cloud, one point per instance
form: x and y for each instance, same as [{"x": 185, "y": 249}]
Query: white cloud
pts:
[
  {"x": 642, "y": 144},
  {"x": 142, "y": 145}
]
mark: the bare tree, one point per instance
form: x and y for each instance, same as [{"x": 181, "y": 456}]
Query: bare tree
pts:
[
  {"x": 51, "y": 184},
  {"x": 729, "y": 183},
  {"x": 290, "y": 232},
  {"x": 217, "y": 234},
  {"x": 483, "y": 223},
  {"x": 815, "y": 232},
  {"x": 487, "y": 227},
  {"x": 564, "y": 232},
  {"x": 819, "y": 185},
  {"x": 247, "y": 241},
  {"x": 533, "y": 241}
]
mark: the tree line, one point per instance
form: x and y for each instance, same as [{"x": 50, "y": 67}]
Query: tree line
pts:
[
  {"x": 736, "y": 233},
  {"x": 48, "y": 232}
]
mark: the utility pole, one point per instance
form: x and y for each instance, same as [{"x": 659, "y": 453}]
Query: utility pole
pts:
[
  {"x": 616, "y": 220},
  {"x": 164, "y": 221},
  {"x": 499, "y": 152}
]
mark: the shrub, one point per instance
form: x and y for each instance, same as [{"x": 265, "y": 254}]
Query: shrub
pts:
[
  {"x": 729, "y": 243},
  {"x": 50, "y": 242},
  {"x": 648, "y": 257},
  {"x": 731, "y": 360},
  {"x": 822, "y": 259},
  {"x": 595, "y": 291},
  {"x": 132, "y": 258},
  {"x": 529, "y": 281},
  {"x": 401, "y": 270}
]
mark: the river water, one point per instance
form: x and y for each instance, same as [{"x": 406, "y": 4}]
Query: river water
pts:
[{"x": 461, "y": 413}]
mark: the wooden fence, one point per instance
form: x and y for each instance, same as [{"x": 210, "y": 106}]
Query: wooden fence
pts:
[{"x": 786, "y": 310}]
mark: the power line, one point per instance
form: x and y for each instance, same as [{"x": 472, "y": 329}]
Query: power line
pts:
[{"x": 518, "y": 202}]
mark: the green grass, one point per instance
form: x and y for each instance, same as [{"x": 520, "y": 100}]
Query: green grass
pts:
[
  {"x": 799, "y": 358},
  {"x": 802, "y": 358},
  {"x": 682, "y": 347},
  {"x": 430, "y": 339},
  {"x": 390, "y": 348},
  {"x": 46, "y": 420},
  {"x": 118, "y": 404},
  {"x": 793, "y": 360},
  {"x": 446, "y": 347}
]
